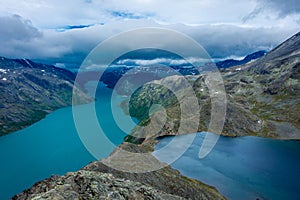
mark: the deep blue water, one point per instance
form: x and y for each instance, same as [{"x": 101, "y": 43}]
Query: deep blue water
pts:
[
  {"x": 244, "y": 167},
  {"x": 51, "y": 146}
]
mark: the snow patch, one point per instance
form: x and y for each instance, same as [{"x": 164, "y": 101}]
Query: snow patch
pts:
[{"x": 3, "y": 71}]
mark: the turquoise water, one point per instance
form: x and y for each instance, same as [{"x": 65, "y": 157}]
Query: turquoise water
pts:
[
  {"x": 245, "y": 167},
  {"x": 50, "y": 146}
]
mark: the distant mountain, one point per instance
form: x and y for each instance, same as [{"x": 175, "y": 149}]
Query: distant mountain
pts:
[
  {"x": 112, "y": 76},
  {"x": 248, "y": 58},
  {"x": 30, "y": 90}
]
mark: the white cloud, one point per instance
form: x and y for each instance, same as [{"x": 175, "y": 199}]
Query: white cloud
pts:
[
  {"x": 225, "y": 28},
  {"x": 73, "y": 45},
  {"x": 57, "y": 13},
  {"x": 163, "y": 61}
]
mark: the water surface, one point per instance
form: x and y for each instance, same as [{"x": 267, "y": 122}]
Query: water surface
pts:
[{"x": 244, "y": 167}]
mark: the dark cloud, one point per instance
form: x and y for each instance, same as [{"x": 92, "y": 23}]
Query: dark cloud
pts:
[
  {"x": 223, "y": 41},
  {"x": 282, "y": 8},
  {"x": 17, "y": 36},
  {"x": 15, "y": 28},
  {"x": 20, "y": 39}
]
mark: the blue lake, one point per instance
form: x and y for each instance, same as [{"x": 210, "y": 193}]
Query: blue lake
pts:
[
  {"x": 245, "y": 167},
  {"x": 51, "y": 146}
]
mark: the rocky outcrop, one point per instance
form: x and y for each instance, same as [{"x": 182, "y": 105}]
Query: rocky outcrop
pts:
[
  {"x": 163, "y": 179},
  {"x": 85, "y": 184},
  {"x": 30, "y": 90}
]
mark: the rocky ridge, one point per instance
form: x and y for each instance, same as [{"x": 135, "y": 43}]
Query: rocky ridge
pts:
[
  {"x": 99, "y": 181},
  {"x": 262, "y": 98},
  {"x": 85, "y": 184}
]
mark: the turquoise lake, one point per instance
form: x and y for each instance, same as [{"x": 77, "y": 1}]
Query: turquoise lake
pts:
[
  {"x": 243, "y": 168},
  {"x": 51, "y": 146},
  {"x": 240, "y": 168}
]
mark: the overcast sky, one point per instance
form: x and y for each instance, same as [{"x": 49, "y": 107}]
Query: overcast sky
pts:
[{"x": 64, "y": 32}]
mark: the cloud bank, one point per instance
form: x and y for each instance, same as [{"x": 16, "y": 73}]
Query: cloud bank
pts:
[{"x": 64, "y": 32}]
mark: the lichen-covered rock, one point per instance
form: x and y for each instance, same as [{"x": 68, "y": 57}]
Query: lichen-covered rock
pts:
[{"x": 85, "y": 184}]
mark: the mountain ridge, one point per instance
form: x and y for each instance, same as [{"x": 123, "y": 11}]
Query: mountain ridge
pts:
[
  {"x": 232, "y": 62},
  {"x": 262, "y": 97},
  {"x": 31, "y": 90}
]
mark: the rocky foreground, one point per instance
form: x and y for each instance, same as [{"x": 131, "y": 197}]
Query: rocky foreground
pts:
[
  {"x": 119, "y": 181},
  {"x": 92, "y": 185}
]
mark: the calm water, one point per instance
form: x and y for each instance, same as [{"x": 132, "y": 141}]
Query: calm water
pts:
[
  {"x": 50, "y": 146},
  {"x": 245, "y": 167}
]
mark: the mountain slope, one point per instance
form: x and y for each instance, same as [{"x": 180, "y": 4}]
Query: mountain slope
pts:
[
  {"x": 269, "y": 89},
  {"x": 263, "y": 97},
  {"x": 30, "y": 90}
]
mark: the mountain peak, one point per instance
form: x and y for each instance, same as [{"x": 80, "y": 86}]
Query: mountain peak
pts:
[{"x": 286, "y": 49}]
